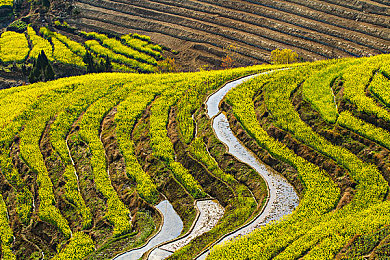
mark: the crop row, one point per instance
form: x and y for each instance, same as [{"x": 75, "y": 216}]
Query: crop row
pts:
[
  {"x": 163, "y": 147},
  {"x": 198, "y": 149},
  {"x": 317, "y": 90},
  {"x": 357, "y": 78},
  {"x": 324, "y": 16},
  {"x": 320, "y": 192},
  {"x": 331, "y": 231},
  {"x": 240, "y": 207},
  {"x": 376, "y": 134},
  {"x": 246, "y": 53},
  {"x": 6, "y": 3},
  {"x": 366, "y": 243},
  {"x": 39, "y": 44},
  {"x": 13, "y": 47},
  {"x": 117, "y": 213},
  {"x": 201, "y": 87},
  {"x": 272, "y": 29},
  {"x": 243, "y": 108},
  {"x": 95, "y": 46},
  {"x": 243, "y": 204},
  {"x": 36, "y": 118},
  {"x": 269, "y": 39},
  {"x": 380, "y": 88},
  {"x": 135, "y": 41},
  {"x": 298, "y": 18},
  {"x": 119, "y": 48},
  {"x": 58, "y": 136},
  {"x": 74, "y": 46},
  {"x": 61, "y": 52},
  {"x": 18, "y": 101},
  {"x": 6, "y": 235},
  {"x": 128, "y": 112},
  {"x": 277, "y": 100},
  {"x": 80, "y": 245},
  {"x": 15, "y": 101}
]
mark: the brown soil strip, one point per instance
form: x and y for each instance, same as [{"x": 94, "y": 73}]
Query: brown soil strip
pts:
[
  {"x": 182, "y": 202},
  {"x": 365, "y": 149},
  {"x": 56, "y": 168},
  {"x": 101, "y": 229},
  {"x": 125, "y": 188},
  {"x": 211, "y": 185},
  {"x": 37, "y": 236}
]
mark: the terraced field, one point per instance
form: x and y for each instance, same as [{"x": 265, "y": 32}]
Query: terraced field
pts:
[
  {"x": 128, "y": 53},
  {"x": 204, "y": 29},
  {"x": 86, "y": 160}
]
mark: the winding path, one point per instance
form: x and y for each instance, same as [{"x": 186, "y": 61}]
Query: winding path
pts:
[
  {"x": 209, "y": 213},
  {"x": 172, "y": 227},
  {"x": 282, "y": 198}
]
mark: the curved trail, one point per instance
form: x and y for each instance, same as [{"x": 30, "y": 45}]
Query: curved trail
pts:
[
  {"x": 172, "y": 227},
  {"x": 167, "y": 240},
  {"x": 282, "y": 198},
  {"x": 210, "y": 212}
]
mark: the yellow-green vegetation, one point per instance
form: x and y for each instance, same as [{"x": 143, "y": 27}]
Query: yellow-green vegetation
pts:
[
  {"x": 142, "y": 46},
  {"x": 347, "y": 209},
  {"x": 163, "y": 146},
  {"x": 117, "y": 212},
  {"x": 74, "y": 46},
  {"x": 80, "y": 245},
  {"x": 316, "y": 89},
  {"x": 39, "y": 44},
  {"x": 62, "y": 51},
  {"x": 98, "y": 49},
  {"x": 137, "y": 56},
  {"x": 380, "y": 87},
  {"x": 13, "y": 47},
  {"x": 284, "y": 56},
  {"x": 6, "y": 3},
  {"x": 365, "y": 129},
  {"x": 30, "y": 152},
  {"x": 357, "y": 79},
  {"x": 128, "y": 112},
  {"x": 317, "y": 236},
  {"x": 6, "y": 236},
  {"x": 118, "y": 47},
  {"x": 63, "y": 54},
  {"x": 198, "y": 149}
]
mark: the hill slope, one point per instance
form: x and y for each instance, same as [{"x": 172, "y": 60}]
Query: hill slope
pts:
[
  {"x": 84, "y": 160},
  {"x": 203, "y": 30}
]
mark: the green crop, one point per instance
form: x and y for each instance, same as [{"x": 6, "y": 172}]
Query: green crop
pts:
[
  {"x": 6, "y": 3},
  {"x": 95, "y": 46},
  {"x": 6, "y": 236},
  {"x": 128, "y": 112},
  {"x": 13, "y": 47},
  {"x": 39, "y": 44},
  {"x": 380, "y": 88},
  {"x": 118, "y": 47}
]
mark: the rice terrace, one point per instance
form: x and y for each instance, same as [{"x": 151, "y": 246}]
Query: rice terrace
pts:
[{"x": 194, "y": 129}]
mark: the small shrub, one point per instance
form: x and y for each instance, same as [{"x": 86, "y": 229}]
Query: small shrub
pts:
[
  {"x": 285, "y": 56},
  {"x": 167, "y": 65},
  {"x": 17, "y": 26}
]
